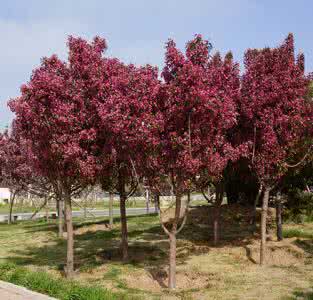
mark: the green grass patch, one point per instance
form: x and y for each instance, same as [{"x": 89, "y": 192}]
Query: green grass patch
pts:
[
  {"x": 55, "y": 287},
  {"x": 297, "y": 232}
]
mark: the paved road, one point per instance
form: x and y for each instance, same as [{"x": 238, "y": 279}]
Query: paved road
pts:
[
  {"x": 80, "y": 213},
  {"x": 9, "y": 291}
]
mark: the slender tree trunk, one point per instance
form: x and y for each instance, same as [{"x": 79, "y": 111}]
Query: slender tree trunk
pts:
[
  {"x": 85, "y": 208},
  {"x": 47, "y": 210},
  {"x": 124, "y": 244},
  {"x": 57, "y": 204},
  {"x": 216, "y": 226},
  {"x": 279, "y": 225},
  {"x": 60, "y": 217},
  {"x": 12, "y": 198},
  {"x": 217, "y": 214},
  {"x": 123, "y": 198},
  {"x": 147, "y": 201},
  {"x": 172, "y": 266},
  {"x": 255, "y": 204},
  {"x": 70, "y": 236},
  {"x": 263, "y": 224},
  {"x": 28, "y": 197},
  {"x": 111, "y": 199},
  {"x": 156, "y": 203},
  {"x": 172, "y": 240}
]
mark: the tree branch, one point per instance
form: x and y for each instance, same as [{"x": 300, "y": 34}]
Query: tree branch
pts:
[{"x": 301, "y": 161}]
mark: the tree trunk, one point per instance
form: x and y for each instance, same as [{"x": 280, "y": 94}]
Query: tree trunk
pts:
[
  {"x": 156, "y": 203},
  {"x": 172, "y": 266},
  {"x": 147, "y": 201},
  {"x": 85, "y": 208},
  {"x": 124, "y": 244},
  {"x": 111, "y": 199},
  {"x": 263, "y": 224},
  {"x": 172, "y": 238},
  {"x": 28, "y": 197},
  {"x": 60, "y": 218},
  {"x": 12, "y": 198},
  {"x": 123, "y": 198},
  {"x": 255, "y": 204},
  {"x": 279, "y": 225},
  {"x": 47, "y": 210},
  {"x": 216, "y": 226},
  {"x": 70, "y": 236},
  {"x": 217, "y": 213}
]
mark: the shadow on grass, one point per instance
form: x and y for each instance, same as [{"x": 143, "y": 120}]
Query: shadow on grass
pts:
[
  {"x": 148, "y": 244},
  {"x": 307, "y": 295},
  {"x": 306, "y": 245},
  {"x": 52, "y": 226}
]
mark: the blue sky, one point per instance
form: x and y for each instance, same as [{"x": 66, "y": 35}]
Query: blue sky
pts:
[{"x": 136, "y": 30}]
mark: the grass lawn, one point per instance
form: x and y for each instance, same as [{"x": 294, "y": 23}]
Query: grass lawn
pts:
[
  {"x": 229, "y": 271},
  {"x": 100, "y": 205},
  {"x": 4, "y": 208}
]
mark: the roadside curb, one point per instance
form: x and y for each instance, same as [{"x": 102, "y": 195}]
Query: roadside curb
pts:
[{"x": 9, "y": 291}]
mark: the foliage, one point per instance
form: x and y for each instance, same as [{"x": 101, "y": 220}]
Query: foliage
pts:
[
  {"x": 274, "y": 113},
  {"x": 59, "y": 288},
  {"x": 95, "y": 119},
  {"x": 15, "y": 171},
  {"x": 50, "y": 115},
  {"x": 299, "y": 205},
  {"x": 195, "y": 109}
]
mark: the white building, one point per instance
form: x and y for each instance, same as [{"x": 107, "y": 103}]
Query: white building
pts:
[{"x": 4, "y": 195}]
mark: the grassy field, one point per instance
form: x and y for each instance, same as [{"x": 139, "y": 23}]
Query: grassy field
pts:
[{"x": 228, "y": 271}]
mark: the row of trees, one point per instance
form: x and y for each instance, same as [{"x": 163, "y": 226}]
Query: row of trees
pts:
[{"x": 95, "y": 120}]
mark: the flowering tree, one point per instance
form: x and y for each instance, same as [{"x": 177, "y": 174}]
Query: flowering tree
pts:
[
  {"x": 114, "y": 119},
  {"x": 274, "y": 113},
  {"x": 16, "y": 171},
  {"x": 194, "y": 111},
  {"x": 51, "y": 116},
  {"x": 125, "y": 112}
]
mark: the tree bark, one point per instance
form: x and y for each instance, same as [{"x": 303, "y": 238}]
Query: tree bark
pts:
[
  {"x": 70, "y": 236},
  {"x": 263, "y": 224},
  {"x": 123, "y": 198},
  {"x": 217, "y": 213},
  {"x": 124, "y": 243},
  {"x": 172, "y": 266},
  {"x": 156, "y": 203},
  {"x": 172, "y": 233},
  {"x": 172, "y": 240},
  {"x": 12, "y": 198},
  {"x": 60, "y": 218},
  {"x": 111, "y": 199},
  {"x": 47, "y": 210},
  {"x": 279, "y": 226},
  {"x": 255, "y": 204},
  {"x": 147, "y": 201}
]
